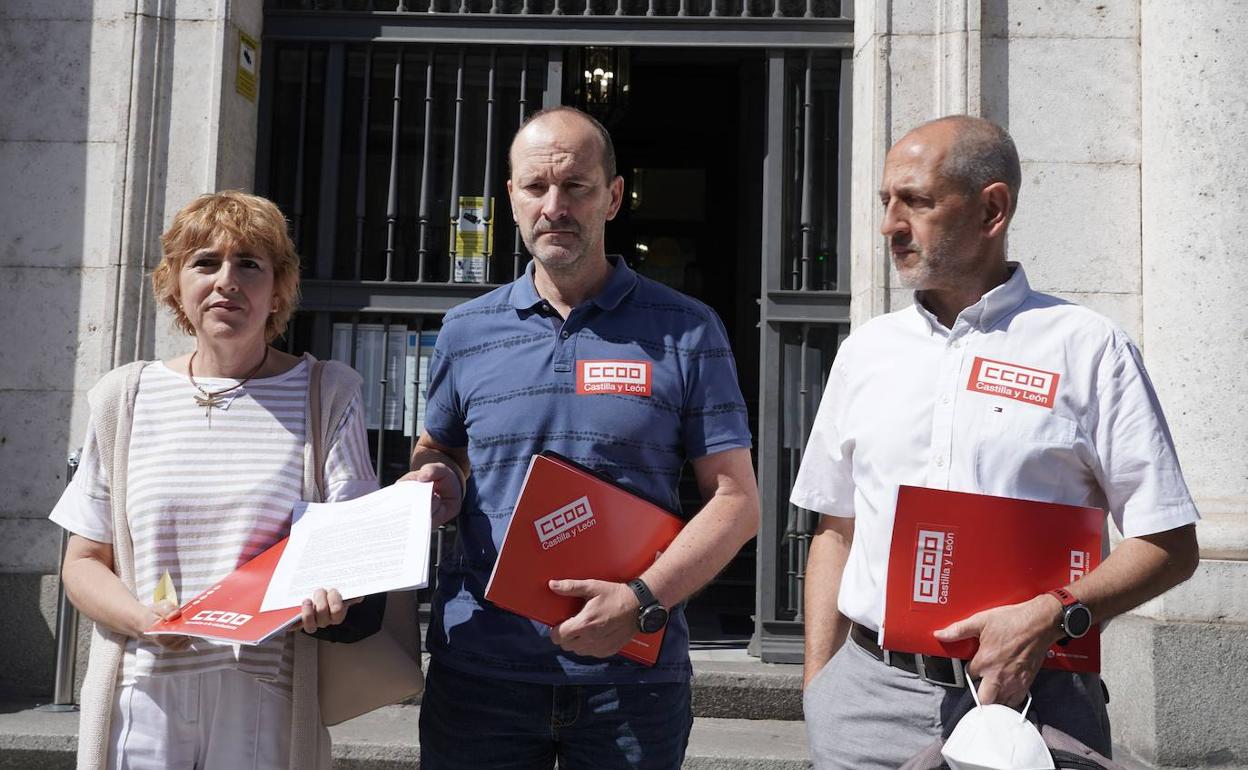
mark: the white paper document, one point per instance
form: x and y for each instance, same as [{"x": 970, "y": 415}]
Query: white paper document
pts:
[{"x": 372, "y": 544}]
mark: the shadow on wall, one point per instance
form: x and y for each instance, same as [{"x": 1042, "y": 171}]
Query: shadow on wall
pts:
[{"x": 995, "y": 62}]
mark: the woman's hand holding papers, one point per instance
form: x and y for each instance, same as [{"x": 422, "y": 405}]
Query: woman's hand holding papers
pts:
[
  {"x": 606, "y": 622},
  {"x": 167, "y": 610}
]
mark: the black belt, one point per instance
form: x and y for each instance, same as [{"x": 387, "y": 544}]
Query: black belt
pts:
[{"x": 946, "y": 672}]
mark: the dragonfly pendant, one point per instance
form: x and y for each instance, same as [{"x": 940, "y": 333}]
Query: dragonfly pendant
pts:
[{"x": 209, "y": 401}]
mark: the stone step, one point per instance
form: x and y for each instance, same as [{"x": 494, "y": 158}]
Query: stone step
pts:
[
  {"x": 386, "y": 740},
  {"x": 739, "y": 687}
]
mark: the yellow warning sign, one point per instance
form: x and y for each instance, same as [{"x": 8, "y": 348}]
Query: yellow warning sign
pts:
[
  {"x": 474, "y": 238},
  {"x": 248, "y": 65}
]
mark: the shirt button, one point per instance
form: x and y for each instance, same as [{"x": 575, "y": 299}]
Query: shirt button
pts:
[
  {"x": 957, "y": 343},
  {"x": 940, "y": 462},
  {"x": 564, "y": 335},
  {"x": 944, "y": 399}
]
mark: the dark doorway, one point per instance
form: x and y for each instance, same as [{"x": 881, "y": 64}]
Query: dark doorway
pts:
[
  {"x": 737, "y": 169},
  {"x": 689, "y": 144}
]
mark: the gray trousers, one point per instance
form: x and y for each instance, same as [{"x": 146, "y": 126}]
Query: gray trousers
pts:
[{"x": 864, "y": 715}]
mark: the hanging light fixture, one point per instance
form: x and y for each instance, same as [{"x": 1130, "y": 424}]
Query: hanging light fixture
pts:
[{"x": 604, "y": 84}]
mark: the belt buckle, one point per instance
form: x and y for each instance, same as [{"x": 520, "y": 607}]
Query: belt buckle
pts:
[{"x": 959, "y": 672}]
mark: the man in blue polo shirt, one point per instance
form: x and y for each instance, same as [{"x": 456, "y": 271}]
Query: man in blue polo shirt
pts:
[{"x": 517, "y": 371}]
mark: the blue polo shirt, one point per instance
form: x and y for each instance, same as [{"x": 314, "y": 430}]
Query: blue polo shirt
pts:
[{"x": 635, "y": 382}]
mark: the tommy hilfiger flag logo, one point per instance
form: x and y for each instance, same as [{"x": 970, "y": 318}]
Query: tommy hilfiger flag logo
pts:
[{"x": 1021, "y": 383}]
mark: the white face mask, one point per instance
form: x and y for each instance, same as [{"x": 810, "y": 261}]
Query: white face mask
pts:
[{"x": 996, "y": 737}]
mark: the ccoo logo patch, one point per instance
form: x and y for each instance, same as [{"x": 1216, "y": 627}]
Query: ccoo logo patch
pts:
[
  {"x": 565, "y": 523},
  {"x": 1021, "y": 383},
  {"x": 623, "y": 378}
]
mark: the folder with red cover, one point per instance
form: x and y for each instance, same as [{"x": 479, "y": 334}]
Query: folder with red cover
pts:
[
  {"x": 571, "y": 523},
  {"x": 229, "y": 611},
  {"x": 955, "y": 553}
]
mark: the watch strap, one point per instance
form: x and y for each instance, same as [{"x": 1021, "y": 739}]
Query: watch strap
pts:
[
  {"x": 643, "y": 593},
  {"x": 1064, "y": 596},
  {"x": 1069, "y": 605}
]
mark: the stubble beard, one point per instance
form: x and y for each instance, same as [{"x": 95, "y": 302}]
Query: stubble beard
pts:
[
  {"x": 935, "y": 264},
  {"x": 558, "y": 259}
]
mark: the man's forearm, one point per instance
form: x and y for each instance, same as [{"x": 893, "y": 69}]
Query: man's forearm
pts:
[
  {"x": 423, "y": 455},
  {"x": 1013, "y": 638},
  {"x": 608, "y": 618},
  {"x": 1139, "y": 569},
  {"x": 715, "y": 534},
  {"x": 825, "y": 627},
  {"x": 702, "y": 549}
]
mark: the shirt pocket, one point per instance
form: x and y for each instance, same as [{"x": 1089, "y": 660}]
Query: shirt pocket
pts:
[{"x": 1028, "y": 453}]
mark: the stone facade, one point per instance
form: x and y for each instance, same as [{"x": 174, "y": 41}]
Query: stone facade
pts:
[
  {"x": 1126, "y": 113},
  {"x": 117, "y": 113}
]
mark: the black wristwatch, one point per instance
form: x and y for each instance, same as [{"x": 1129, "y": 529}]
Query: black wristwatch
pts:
[
  {"x": 652, "y": 616},
  {"x": 1076, "y": 618}
]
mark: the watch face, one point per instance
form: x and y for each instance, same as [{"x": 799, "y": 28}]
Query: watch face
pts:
[
  {"x": 652, "y": 619},
  {"x": 1078, "y": 621}
]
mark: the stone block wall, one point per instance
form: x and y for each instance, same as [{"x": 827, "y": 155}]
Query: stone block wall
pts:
[
  {"x": 1068, "y": 88},
  {"x": 117, "y": 113}
]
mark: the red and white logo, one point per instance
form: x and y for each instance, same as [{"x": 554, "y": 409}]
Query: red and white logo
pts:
[
  {"x": 933, "y": 561},
  {"x": 1079, "y": 561},
  {"x": 564, "y": 523},
  {"x": 627, "y": 378},
  {"x": 220, "y": 618},
  {"x": 1021, "y": 383}
]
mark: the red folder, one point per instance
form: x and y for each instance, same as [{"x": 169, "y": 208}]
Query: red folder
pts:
[
  {"x": 954, "y": 554},
  {"x": 571, "y": 523},
  {"x": 230, "y": 610}
]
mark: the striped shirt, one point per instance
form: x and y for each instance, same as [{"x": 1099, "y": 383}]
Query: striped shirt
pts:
[{"x": 204, "y": 497}]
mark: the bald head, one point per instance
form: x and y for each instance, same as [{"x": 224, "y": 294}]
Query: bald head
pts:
[
  {"x": 558, "y": 119},
  {"x": 977, "y": 153}
]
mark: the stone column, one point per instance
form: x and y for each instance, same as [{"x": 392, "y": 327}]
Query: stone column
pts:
[
  {"x": 1180, "y": 663},
  {"x": 914, "y": 60}
]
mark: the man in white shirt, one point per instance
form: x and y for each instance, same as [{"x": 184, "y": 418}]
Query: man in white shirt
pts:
[{"x": 909, "y": 401}]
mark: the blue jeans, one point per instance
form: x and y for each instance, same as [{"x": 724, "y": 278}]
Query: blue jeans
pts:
[{"x": 470, "y": 722}]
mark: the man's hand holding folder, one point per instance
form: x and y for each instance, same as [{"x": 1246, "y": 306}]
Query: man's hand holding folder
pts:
[
  {"x": 574, "y": 540},
  {"x": 968, "y": 576},
  {"x": 1013, "y": 642},
  {"x": 604, "y": 625}
]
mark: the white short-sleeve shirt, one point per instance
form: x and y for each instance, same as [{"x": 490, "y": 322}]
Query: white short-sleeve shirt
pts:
[{"x": 1027, "y": 396}]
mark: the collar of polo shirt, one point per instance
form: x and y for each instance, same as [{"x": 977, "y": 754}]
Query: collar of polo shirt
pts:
[{"x": 524, "y": 294}]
